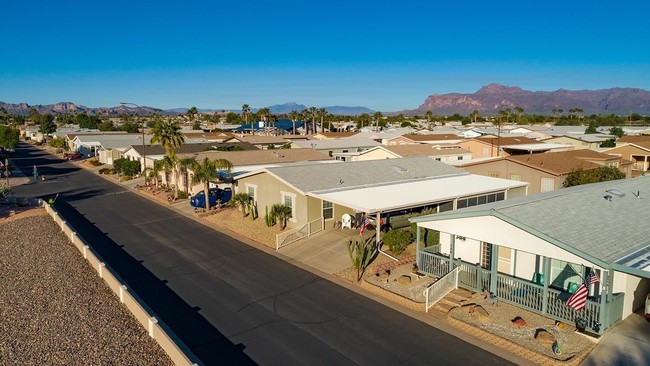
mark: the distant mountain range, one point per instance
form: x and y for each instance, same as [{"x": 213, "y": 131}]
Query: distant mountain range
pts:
[
  {"x": 489, "y": 100},
  {"x": 71, "y": 108},
  {"x": 494, "y": 97}
]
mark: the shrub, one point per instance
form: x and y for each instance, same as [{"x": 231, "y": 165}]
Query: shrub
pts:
[
  {"x": 127, "y": 167},
  {"x": 397, "y": 240},
  {"x": 95, "y": 162},
  {"x": 104, "y": 171},
  {"x": 183, "y": 195},
  {"x": 427, "y": 236}
]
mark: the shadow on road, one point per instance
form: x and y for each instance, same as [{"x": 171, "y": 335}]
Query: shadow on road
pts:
[{"x": 207, "y": 343}]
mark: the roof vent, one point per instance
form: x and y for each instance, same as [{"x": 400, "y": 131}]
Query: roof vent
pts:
[
  {"x": 399, "y": 169},
  {"x": 616, "y": 192}
]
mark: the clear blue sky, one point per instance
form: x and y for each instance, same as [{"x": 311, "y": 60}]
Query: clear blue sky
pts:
[{"x": 387, "y": 56}]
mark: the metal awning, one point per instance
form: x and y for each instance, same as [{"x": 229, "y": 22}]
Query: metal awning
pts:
[{"x": 417, "y": 193}]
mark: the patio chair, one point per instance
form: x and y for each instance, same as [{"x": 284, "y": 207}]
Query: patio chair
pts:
[{"x": 346, "y": 221}]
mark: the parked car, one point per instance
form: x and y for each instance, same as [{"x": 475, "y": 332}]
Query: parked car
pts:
[
  {"x": 214, "y": 194},
  {"x": 72, "y": 155}
]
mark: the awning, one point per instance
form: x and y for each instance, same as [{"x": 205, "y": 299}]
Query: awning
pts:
[{"x": 414, "y": 194}]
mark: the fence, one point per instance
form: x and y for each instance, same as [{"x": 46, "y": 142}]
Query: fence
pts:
[
  {"x": 293, "y": 235},
  {"x": 441, "y": 288},
  {"x": 519, "y": 292},
  {"x": 179, "y": 353}
]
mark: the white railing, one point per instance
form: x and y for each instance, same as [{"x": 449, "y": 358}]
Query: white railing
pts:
[
  {"x": 441, "y": 288},
  {"x": 293, "y": 235}
]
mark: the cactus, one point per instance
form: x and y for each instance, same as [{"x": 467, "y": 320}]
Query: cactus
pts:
[
  {"x": 361, "y": 254},
  {"x": 252, "y": 209},
  {"x": 269, "y": 218}
]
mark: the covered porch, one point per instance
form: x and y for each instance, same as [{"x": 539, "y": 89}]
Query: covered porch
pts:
[{"x": 521, "y": 269}]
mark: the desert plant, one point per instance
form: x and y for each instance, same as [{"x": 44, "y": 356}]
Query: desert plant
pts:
[
  {"x": 281, "y": 212},
  {"x": 241, "y": 201},
  {"x": 361, "y": 254},
  {"x": 252, "y": 209},
  {"x": 269, "y": 218},
  {"x": 397, "y": 240},
  {"x": 5, "y": 190},
  {"x": 95, "y": 162},
  {"x": 183, "y": 195},
  {"x": 427, "y": 236}
]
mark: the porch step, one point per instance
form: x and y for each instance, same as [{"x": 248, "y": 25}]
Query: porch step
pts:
[
  {"x": 444, "y": 306},
  {"x": 456, "y": 298},
  {"x": 460, "y": 293}
]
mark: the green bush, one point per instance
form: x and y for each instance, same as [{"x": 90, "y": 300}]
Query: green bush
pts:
[
  {"x": 183, "y": 195},
  {"x": 427, "y": 236},
  {"x": 127, "y": 167},
  {"x": 104, "y": 171},
  {"x": 95, "y": 162},
  {"x": 397, "y": 240}
]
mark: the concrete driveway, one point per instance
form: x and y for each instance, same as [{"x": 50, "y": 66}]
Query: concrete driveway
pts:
[
  {"x": 628, "y": 343},
  {"x": 326, "y": 251}
]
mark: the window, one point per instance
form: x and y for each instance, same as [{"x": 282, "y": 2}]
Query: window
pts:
[
  {"x": 562, "y": 273},
  {"x": 486, "y": 255},
  {"x": 289, "y": 200},
  {"x": 516, "y": 177},
  {"x": 479, "y": 200},
  {"x": 328, "y": 210},
  {"x": 460, "y": 158},
  {"x": 251, "y": 189},
  {"x": 548, "y": 184},
  {"x": 495, "y": 174}
]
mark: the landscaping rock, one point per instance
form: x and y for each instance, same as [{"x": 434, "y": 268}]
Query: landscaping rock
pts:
[
  {"x": 404, "y": 280},
  {"x": 544, "y": 337},
  {"x": 519, "y": 321},
  {"x": 480, "y": 313}
]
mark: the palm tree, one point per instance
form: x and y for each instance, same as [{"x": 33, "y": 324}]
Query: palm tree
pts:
[
  {"x": 312, "y": 112},
  {"x": 363, "y": 119},
  {"x": 293, "y": 115},
  {"x": 244, "y": 111},
  {"x": 305, "y": 117},
  {"x": 322, "y": 113},
  {"x": 183, "y": 166},
  {"x": 519, "y": 111},
  {"x": 474, "y": 116},
  {"x": 168, "y": 135},
  {"x": 204, "y": 172},
  {"x": 282, "y": 213},
  {"x": 429, "y": 115},
  {"x": 377, "y": 116}
]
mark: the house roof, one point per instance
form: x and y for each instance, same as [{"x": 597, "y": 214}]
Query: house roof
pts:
[
  {"x": 191, "y": 148},
  {"x": 400, "y": 195},
  {"x": 258, "y": 139},
  {"x": 335, "y": 135},
  {"x": 536, "y": 147},
  {"x": 512, "y": 140},
  {"x": 351, "y": 143},
  {"x": 427, "y": 150},
  {"x": 357, "y": 174},
  {"x": 603, "y": 222},
  {"x": 258, "y": 157},
  {"x": 432, "y": 137},
  {"x": 634, "y": 139}
]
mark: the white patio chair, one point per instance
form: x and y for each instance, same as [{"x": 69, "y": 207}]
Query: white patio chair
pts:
[{"x": 346, "y": 221}]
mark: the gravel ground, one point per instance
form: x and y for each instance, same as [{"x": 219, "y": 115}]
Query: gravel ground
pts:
[
  {"x": 500, "y": 324},
  {"x": 54, "y": 309}
]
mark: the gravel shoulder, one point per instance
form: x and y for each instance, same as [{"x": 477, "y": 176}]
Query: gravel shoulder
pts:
[{"x": 54, "y": 309}]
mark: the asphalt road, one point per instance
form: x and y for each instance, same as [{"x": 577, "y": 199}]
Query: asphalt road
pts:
[{"x": 232, "y": 303}]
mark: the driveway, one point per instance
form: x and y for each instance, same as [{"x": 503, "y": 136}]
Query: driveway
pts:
[{"x": 628, "y": 343}]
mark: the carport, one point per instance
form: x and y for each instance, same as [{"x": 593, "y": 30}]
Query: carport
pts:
[{"x": 376, "y": 200}]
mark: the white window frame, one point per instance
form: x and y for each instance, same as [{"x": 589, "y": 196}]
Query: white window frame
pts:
[
  {"x": 293, "y": 196},
  {"x": 254, "y": 186},
  {"x": 516, "y": 177},
  {"x": 543, "y": 186},
  {"x": 322, "y": 210}
]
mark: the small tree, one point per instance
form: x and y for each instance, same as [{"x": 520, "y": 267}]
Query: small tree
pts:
[
  {"x": 58, "y": 142},
  {"x": 591, "y": 128},
  {"x": 616, "y": 131},
  {"x": 601, "y": 174},
  {"x": 361, "y": 254}
]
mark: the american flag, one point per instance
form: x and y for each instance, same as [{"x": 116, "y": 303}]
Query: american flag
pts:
[
  {"x": 579, "y": 298},
  {"x": 364, "y": 222}
]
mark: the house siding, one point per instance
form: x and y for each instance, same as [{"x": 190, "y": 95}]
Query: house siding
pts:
[{"x": 507, "y": 168}]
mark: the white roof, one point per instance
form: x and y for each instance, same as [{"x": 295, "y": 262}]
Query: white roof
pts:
[
  {"x": 413, "y": 194},
  {"x": 536, "y": 147}
]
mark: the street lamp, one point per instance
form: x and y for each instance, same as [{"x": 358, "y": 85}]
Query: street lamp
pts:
[{"x": 144, "y": 155}]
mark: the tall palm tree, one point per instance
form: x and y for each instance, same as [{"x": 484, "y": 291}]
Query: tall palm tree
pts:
[
  {"x": 293, "y": 115},
  {"x": 312, "y": 113},
  {"x": 244, "y": 111},
  {"x": 322, "y": 112},
  {"x": 377, "y": 116},
  {"x": 304, "y": 114},
  {"x": 183, "y": 166},
  {"x": 168, "y": 135},
  {"x": 429, "y": 115},
  {"x": 204, "y": 172},
  {"x": 474, "y": 116},
  {"x": 264, "y": 114}
]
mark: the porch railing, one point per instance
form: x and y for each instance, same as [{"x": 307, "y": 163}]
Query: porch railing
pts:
[
  {"x": 435, "y": 265},
  {"x": 441, "y": 288},
  {"x": 519, "y": 292},
  {"x": 293, "y": 235}
]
